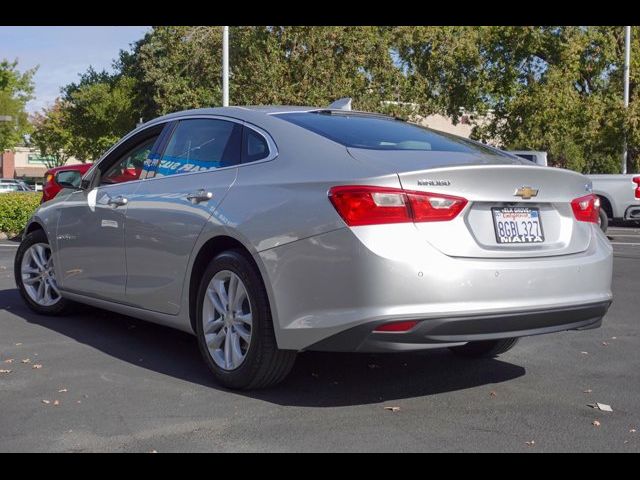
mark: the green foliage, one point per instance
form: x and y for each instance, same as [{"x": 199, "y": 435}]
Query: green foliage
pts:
[
  {"x": 16, "y": 209},
  {"x": 97, "y": 112},
  {"x": 51, "y": 136},
  {"x": 553, "y": 88},
  {"x": 16, "y": 89}
]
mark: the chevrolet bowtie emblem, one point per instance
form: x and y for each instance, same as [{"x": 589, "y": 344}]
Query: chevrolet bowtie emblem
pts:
[{"x": 526, "y": 193}]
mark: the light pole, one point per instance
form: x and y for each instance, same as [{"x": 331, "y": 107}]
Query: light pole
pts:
[
  {"x": 627, "y": 61},
  {"x": 225, "y": 66}
]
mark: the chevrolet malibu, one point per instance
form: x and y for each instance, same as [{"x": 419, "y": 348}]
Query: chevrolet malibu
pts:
[{"x": 266, "y": 231}]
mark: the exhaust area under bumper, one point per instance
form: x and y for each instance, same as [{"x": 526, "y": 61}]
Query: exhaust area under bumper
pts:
[{"x": 442, "y": 332}]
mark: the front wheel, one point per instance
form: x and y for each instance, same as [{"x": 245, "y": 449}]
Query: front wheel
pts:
[
  {"x": 234, "y": 325},
  {"x": 485, "y": 348},
  {"x": 35, "y": 276}
]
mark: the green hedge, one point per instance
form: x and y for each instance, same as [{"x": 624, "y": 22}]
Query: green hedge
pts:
[{"x": 16, "y": 209}]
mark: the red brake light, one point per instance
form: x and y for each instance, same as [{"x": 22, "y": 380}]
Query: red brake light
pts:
[
  {"x": 587, "y": 208},
  {"x": 636, "y": 180},
  {"x": 366, "y": 205},
  {"x": 396, "y": 326}
]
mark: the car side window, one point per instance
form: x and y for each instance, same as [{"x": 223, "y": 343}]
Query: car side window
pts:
[
  {"x": 130, "y": 165},
  {"x": 200, "y": 145},
  {"x": 254, "y": 146}
]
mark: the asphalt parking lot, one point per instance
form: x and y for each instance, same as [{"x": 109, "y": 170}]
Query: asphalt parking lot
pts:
[{"x": 114, "y": 383}]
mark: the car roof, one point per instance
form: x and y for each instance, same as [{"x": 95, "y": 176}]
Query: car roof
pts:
[
  {"x": 244, "y": 112},
  {"x": 75, "y": 166}
]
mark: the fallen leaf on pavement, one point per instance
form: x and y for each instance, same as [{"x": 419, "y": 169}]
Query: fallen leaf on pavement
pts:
[
  {"x": 18, "y": 344},
  {"x": 26, "y": 360},
  {"x": 46, "y": 402},
  {"x": 605, "y": 343},
  {"x": 588, "y": 390},
  {"x": 9, "y": 360},
  {"x": 153, "y": 451},
  {"x": 584, "y": 353},
  {"x": 595, "y": 423},
  {"x": 56, "y": 403},
  {"x": 600, "y": 406},
  {"x": 62, "y": 390},
  {"x": 5, "y": 371},
  {"x": 633, "y": 430},
  {"x": 392, "y": 409},
  {"x": 613, "y": 338},
  {"x": 531, "y": 443},
  {"x": 36, "y": 366},
  {"x": 493, "y": 394}
]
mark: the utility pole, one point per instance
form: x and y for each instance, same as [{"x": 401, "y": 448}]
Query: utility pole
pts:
[
  {"x": 627, "y": 61},
  {"x": 225, "y": 66}
]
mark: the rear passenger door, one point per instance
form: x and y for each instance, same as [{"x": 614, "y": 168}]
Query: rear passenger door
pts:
[{"x": 194, "y": 172}]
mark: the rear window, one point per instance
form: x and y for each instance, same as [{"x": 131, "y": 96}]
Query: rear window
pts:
[{"x": 381, "y": 133}]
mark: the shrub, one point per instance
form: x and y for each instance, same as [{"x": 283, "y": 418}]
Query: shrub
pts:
[{"x": 16, "y": 209}]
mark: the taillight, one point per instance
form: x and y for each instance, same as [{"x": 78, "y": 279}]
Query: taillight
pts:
[
  {"x": 587, "y": 208},
  {"x": 366, "y": 205},
  {"x": 636, "y": 180},
  {"x": 49, "y": 177}
]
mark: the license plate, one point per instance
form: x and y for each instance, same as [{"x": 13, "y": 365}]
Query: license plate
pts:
[{"x": 517, "y": 225}]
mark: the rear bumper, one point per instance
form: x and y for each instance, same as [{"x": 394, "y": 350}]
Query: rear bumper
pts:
[{"x": 459, "y": 329}]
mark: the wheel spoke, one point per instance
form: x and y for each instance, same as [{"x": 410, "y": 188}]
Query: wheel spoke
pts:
[
  {"x": 54, "y": 286},
  {"x": 216, "y": 301},
  {"x": 218, "y": 285},
  {"x": 244, "y": 318},
  {"x": 238, "y": 298},
  {"x": 213, "y": 326},
  {"x": 243, "y": 333},
  {"x": 215, "y": 340},
  {"x": 40, "y": 292},
  {"x": 36, "y": 259},
  {"x": 30, "y": 280},
  {"x": 227, "y": 351},
  {"x": 232, "y": 292},
  {"x": 236, "y": 351}
]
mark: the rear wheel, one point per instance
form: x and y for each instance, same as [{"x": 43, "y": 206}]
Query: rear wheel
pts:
[
  {"x": 234, "y": 326},
  {"x": 36, "y": 278},
  {"x": 603, "y": 222},
  {"x": 485, "y": 349}
]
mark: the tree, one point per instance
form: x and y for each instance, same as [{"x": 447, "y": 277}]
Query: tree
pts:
[
  {"x": 51, "y": 136},
  {"x": 16, "y": 89},
  {"x": 97, "y": 112}
]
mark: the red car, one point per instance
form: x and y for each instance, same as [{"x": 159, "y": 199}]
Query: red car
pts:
[{"x": 65, "y": 173}]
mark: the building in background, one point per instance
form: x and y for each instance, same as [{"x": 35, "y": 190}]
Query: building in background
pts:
[{"x": 26, "y": 164}]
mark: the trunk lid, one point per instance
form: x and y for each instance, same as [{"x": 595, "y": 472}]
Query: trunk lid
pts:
[{"x": 490, "y": 182}]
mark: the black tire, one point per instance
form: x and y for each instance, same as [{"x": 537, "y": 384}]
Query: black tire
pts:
[
  {"x": 485, "y": 348},
  {"x": 604, "y": 220},
  {"x": 264, "y": 364},
  {"x": 62, "y": 306}
]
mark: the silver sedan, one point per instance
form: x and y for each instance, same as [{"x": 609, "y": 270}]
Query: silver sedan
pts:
[{"x": 266, "y": 231}]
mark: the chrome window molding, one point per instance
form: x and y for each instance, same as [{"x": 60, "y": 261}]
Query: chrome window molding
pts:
[{"x": 273, "y": 148}]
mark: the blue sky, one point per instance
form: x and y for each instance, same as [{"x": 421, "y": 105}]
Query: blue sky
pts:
[{"x": 63, "y": 53}]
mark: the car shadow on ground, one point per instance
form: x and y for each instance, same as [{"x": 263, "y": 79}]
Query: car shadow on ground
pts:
[{"x": 318, "y": 379}]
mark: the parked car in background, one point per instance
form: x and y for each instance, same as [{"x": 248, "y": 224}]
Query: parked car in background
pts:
[
  {"x": 66, "y": 176},
  {"x": 13, "y": 187},
  {"x": 619, "y": 194},
  {"x": 21, "y": 185},
  {"x": 266, "y": 231}
]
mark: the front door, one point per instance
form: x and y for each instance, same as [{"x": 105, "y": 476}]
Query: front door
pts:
[{"x": 90, "y": 233}]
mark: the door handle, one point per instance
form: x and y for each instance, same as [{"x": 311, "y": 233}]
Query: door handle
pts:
[
  {"x": 118, "y": 201},
  {"x": 200, "y": 196}
]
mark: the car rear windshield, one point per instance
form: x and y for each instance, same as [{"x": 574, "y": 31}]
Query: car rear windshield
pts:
[{"x": 382, "y": 133}]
